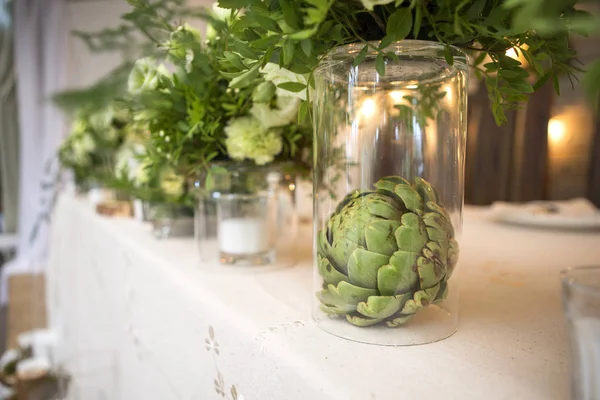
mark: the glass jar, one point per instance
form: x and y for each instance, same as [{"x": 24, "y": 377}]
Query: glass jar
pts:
[
  {"x": 388, "y": 188},
  {"x": 246, "y": 215}
]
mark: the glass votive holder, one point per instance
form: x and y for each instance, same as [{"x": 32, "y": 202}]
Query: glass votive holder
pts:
[
  {"x": 581, "y": 304},
  {"x": 245, "y": 229}
]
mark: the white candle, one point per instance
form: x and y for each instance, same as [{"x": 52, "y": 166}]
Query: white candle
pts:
[{"x": 243, "y": 236}]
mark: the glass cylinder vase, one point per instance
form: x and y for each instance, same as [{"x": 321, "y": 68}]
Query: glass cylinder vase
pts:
[
  {"x": 246, "y": 215},
  {"x": 388, "y": 192}
]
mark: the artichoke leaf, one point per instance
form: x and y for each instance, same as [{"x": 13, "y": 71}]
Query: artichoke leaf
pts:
[
  {"x": 328, "y": 272},
  {"x": 349, "y": 198},
  {"x": 347, "y": 293},
  {"x": 362, "y": 321},
  {"x": 426, "y": 190},
  {"x": 411, "y": 235},
  {"x": 363, "y": 266},
  {"x": 387, "y": 185},
  {"x": 382, "y": 306},
  {"x": 421, "y": 298},
  {"x": 439, "y": 209},
  {"x": 383, "y": 207},
  {"x": 438, "y": 228},
  {"x": 380, "y": 237},
  {"x": 334, "y": 304},
  {"x": 334, "y": 310},
  {"x": 409, "y": 196},
  {"x": 400, "y": 320},
  {"x": 400, "y": 275},
  {"x": 452, "y": 257},
  {"x": 430, "y": 272},
  {"x": 442, "y": 294},
  {"x": 438, "y": 251}
]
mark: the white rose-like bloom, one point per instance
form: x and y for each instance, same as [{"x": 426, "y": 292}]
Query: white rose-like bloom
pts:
[
  {"x": 102, "y": 119},
  {"x": 171, "y": 183},
  {"x": 248, "y": 138},
  {"x": 274, "y": 73},
  {"x": 285, "y": 113},
  {"x": 127, "y": 162},
  {"x": 144, "y": 76},
  {"x": 370, "y": 4},
  {"x": 83, "y": 146},
  {"x": 141, "y": 176}
]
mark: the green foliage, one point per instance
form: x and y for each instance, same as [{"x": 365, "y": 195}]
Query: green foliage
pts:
[
  {"x": 186, "y": 112},
  {"x": 96, "y": 135},
  {"x": 297, "y": 34}
]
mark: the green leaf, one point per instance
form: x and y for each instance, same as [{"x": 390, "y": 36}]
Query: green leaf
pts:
[
  {"x": 234, "y": 59},
  {"x": 380, "y": 64},
  {"x": 542, "y": 81},
  {"x": 476, "y": 8},
  {"x": 417, "y": 25},
  {"x": 361, "y": 55},
  {"x": 511, "y": 73},
  {"x": 289, "y": 49},
  {"x": 304, "y": 34},
  {"x": 556, "y": 83},
  {"x": 385, "y": 42},
  {"x": 246, "y": 78},
  {"x": 303, "y": 111},
  {"x": 522, "y": 86},
  {"x": 399, "y": 24},
  {"x": 292, "y": 86},
  {"x": 306, "y": 46},
  {"x": 289, "y": 13},
  {"x": 448, "y": 56}
]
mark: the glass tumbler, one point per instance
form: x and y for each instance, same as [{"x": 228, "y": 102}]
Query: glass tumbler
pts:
[{"x": 581, "y": 304}]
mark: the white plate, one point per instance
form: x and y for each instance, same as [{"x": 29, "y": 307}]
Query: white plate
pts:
[{"x": 574, "y": 214}]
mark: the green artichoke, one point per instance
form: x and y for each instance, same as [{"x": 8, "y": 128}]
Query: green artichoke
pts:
[{"x": 385, "y": 254}]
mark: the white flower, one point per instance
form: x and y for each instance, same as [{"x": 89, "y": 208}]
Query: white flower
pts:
[
  {"x": 248, "y": 138},
  {"x": 189, "y": 59},
  {"x": 370, "y": 4},
  {"x": 102, "y": 119},
  {"x": 285, "y": 113},
  {"x": 274, "y": 73},
  {"x": 127, "y": 163},
  {"x": 83, "y": 146},
  {"x": 171, "y": 183},
  {"x": 144, "y": 76},
  {"x": 141, "y": 176}
]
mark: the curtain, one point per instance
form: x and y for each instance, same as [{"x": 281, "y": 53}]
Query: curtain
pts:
[
  {"x": 9, "y": 133},
  {"x": 40, "y": 33}
]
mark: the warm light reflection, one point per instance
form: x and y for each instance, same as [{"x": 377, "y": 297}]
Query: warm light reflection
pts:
[
  {"x": 448, "y": 97},
  {"x": 369, "y": 107},
  {"x": 292, "y": 187},
  {"x": 398, "y": 96},
  {"x": 556, "y": 130},
  {"x": 516, "y": 54}
]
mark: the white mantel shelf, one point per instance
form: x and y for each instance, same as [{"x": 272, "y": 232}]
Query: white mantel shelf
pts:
[{"x": 114, "y": 289}]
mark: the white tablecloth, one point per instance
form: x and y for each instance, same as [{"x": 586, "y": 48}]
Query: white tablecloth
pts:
[{"x": 158, "y": 325}]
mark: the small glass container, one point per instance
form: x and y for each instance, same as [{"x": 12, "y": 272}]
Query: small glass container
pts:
[
  {"x": 245, "y": 215},
  {"x": 581, "y": 304}
]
